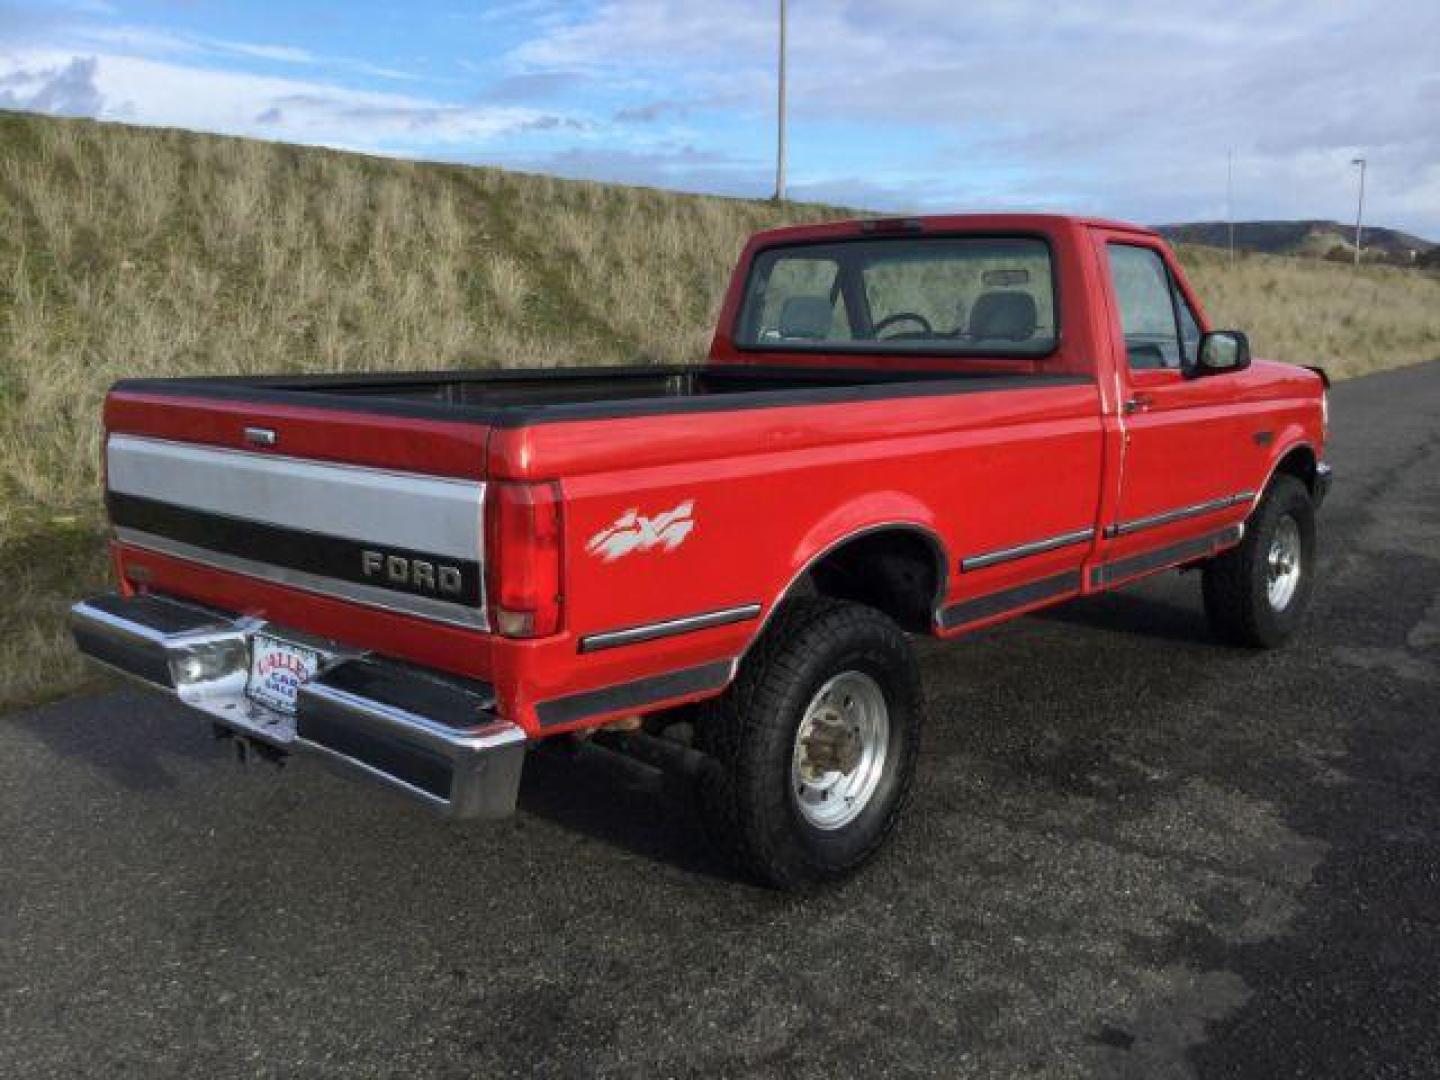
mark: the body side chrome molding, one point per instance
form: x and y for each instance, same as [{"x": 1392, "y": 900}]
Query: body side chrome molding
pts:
[
  {"x": 384, "y": 599},
  {"x": 1023, "y": 551},
  {"x": 633, "y": 635},
  {"x": 1166, "y": 517}
]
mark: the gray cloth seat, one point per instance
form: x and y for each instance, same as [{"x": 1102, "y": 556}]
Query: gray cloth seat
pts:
[
  {"x": 1004, "y": 316},
  {"x": 806, "y": 317}
]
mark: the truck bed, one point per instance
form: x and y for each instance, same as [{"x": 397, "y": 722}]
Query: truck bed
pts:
[{"x": 508, "y": 398}]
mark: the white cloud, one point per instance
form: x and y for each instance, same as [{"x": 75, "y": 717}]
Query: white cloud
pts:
[
  {"x": 285, "y": 54},
  {"x": 62, "y": 90},
  {"x": 151, "y": 42},
  {"x": 299, "y": 110},
  {"x": 1129, "y": 104}
]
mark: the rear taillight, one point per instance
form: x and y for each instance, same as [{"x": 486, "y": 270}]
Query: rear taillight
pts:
[{"x": 522, "y": 558}]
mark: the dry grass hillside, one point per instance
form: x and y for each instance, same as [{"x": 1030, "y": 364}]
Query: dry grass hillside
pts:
[
  {"x": 127, "y": 251},
  {"x": 1309, "y": 312}
]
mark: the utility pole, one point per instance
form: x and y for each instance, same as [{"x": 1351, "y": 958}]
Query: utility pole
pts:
[
  {"x": 780, "y": 117},
  {"x": 1359, "y": 208},
  {"x": 1230, "y": 199}
]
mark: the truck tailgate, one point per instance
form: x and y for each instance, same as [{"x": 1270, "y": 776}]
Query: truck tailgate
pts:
[{"x": 357, "y": 526}]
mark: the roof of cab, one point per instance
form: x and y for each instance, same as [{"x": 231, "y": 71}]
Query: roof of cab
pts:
[{"x": 920, "y": 224}]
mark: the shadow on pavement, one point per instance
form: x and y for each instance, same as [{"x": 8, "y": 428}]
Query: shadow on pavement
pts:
[
  {"x": 582, "y": 789},
  {"x": 1139, "y": 615},
  {"x": 83, "y": 729},
  {"x": 622, "y": 803}
]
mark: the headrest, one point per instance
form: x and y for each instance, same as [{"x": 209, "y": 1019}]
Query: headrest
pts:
[
  {"x": 1007, "y": 316},
  {"x": 806, "y": 317}
]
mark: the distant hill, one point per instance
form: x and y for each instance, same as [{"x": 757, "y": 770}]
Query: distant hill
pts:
[{"x": 1313, "y": 238}]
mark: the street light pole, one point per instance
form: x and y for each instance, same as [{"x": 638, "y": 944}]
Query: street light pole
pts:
[
  {"x": 780, "y": 117},
  {"x": 1230, "y": 201},
  {"x": 1359, "y": 208}
]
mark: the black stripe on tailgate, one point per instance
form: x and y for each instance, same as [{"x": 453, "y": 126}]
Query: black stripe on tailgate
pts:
[{"x": 400, "y": 570}]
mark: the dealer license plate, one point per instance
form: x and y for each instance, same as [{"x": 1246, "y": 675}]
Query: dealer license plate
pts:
[{"x": 277, "y": 671}]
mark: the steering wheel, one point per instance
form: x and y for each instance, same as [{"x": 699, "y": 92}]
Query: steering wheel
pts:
[{"x": 905, "y": 316}]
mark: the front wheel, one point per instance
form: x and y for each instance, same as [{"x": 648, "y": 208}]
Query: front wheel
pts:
[
  {"x": 817, "y": 741},
  {"x": 1256, "y": 593}
]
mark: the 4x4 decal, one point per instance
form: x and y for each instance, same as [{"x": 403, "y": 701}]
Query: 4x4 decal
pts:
[{"x": 632, "y": 531}]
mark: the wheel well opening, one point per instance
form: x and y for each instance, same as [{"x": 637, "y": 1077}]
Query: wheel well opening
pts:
[
  {"x": 897, "y": 571},
  {"x": 1299, "y": 463}
]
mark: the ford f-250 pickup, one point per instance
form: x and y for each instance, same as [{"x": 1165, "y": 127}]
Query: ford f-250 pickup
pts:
[{"x": 912, "y": 426}]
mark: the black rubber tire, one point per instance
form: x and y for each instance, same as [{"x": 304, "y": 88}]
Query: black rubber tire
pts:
[
  {"x": 1237, "y": 602},
  {"x": 748, "y": 804}
]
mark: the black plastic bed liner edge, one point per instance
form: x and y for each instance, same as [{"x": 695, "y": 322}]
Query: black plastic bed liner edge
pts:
[{"x": 308, "y": 391}]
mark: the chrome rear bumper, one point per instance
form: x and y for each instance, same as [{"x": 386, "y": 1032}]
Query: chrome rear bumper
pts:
[{"x": 435, "y": 739}]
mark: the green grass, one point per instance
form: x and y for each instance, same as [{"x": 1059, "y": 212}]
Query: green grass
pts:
[
  {"x": 131, "y": 251},
  {"x": 45, "y": 566}
]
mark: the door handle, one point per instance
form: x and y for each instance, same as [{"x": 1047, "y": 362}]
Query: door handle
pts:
[{"x": 1138, "y": 403}]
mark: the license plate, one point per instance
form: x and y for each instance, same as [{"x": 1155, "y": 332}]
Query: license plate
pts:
[{"x": 277, "y": 671}]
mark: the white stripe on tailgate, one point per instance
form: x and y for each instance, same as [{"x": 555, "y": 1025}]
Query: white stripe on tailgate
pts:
[{"x": 432, "y": 514}]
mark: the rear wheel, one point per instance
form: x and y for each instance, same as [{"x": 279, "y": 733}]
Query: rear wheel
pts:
[
  {"x": 1257, "y": 592},
  {"x": 817, "y": 740}
]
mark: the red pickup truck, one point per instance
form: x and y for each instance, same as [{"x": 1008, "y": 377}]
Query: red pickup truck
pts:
[{"x": 914, "y": 426}]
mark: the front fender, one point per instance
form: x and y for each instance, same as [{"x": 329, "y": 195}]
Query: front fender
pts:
[{"x": 1293, "y": 438}]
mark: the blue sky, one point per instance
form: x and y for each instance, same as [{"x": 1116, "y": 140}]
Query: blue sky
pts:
[{"x": 1116, "y": 107}]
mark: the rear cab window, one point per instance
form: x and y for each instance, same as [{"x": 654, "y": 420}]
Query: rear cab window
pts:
[{"x": 983, "y": 296}]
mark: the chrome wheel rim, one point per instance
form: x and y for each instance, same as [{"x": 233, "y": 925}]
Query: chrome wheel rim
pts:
[
  {"x": 1282, "y": 564},
  {"x": 840, "y": 749}
]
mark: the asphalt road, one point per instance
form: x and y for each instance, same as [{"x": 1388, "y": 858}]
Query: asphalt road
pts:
[{"x": 1134, "y": 852}]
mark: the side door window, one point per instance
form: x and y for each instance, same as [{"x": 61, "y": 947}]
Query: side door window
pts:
[
  {"x": 1148, "y": 314},
  {"x": 1189, "y": 325}
]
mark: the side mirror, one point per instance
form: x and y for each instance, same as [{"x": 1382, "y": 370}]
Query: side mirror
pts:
[{"x": 1221, "y": 351}]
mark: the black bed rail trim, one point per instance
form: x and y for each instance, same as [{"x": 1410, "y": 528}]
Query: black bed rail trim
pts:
[
  {"x": 1171, "y": 555},
  {"x": 998, "y": 603},
  {"x": 634, "y": 695},
  {"x": 310, "y": 392},
  {"x": 634, "y": 635}
]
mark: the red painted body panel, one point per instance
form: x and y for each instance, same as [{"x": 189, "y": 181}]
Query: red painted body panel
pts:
[
  {"x": 769, "y": 489},
  {"x": 956, "y": 467},
  {"x": 407, "y": 444}
]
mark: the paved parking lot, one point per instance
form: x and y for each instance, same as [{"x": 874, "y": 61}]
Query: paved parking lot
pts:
[{"x": 1134, "y": 852}]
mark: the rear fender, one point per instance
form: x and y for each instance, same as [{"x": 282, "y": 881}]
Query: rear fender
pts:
[{"x": 875, "y": 512}]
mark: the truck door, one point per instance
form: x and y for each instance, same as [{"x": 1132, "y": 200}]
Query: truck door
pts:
[{"x": 1178, "y": 475}]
